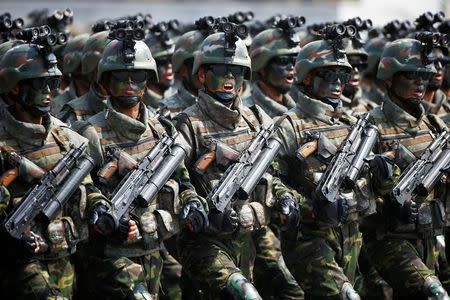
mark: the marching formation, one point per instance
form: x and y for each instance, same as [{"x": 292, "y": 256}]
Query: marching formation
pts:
[{"x": 228, "y": 158}]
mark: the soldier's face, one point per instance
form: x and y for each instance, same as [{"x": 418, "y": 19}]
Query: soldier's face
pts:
[
  {"x": 329, "y": 82},
  {"x": 222, "y": 78},
  {"x": 410, "y": 85},
  {"x": 165, "y": 71},
  {"x": 359, "y": 64},
  {"x": 36, "y": 93},
  {"x": 441, "y": 66},
  {"x": 279, "y": 73},
  {"x": 127, "y": 83}
]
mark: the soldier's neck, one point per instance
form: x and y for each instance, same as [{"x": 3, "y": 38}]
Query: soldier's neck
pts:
[
  {"x": 132, "y": 112},
  {"x": 271, "y": 92},
  {"x": 25, "y": 116}
]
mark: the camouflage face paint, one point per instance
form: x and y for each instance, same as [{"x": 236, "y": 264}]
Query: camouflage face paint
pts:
[
  {"x": 165, "y": 72},
  {"x": 323, "y": 89},
  {"x": 127, "y": 88},
  {"x": 405, "y": 88},
  {"x": 223, "y": 83},
  {"x": 441, "y": 68},
  {"x": 36, "y": 99},
  {"x": 280, "y": 75}
]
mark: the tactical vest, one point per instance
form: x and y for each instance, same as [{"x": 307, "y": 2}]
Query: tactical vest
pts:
[
  {"x": 158, "y": 217},
  {"x": 61, "y": 234},
  {"x": 410, "y": 146}
]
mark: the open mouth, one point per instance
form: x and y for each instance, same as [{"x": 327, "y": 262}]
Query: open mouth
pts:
[
  {"x": 169, "y": 76},
  {"x": 228, "y": 87},
  {"x": 419, "y": 93},
  {"x": 438, "y": 77},
  {"x": 336, "y": 94},
  {"x": 289, "y": 79},
  {"x": 354, "y": 82}
]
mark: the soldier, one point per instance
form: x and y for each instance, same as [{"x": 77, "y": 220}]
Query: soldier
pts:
[
  {"x": 162, "y": 47},
  {"x": 273, "y": 53},
  {"x": 372, "y": 87},
  {"x": 128, "y": 263},
  {"x": 322, "y": 254},
  {"x": 182, "y": 61},
  {"x": 218, "y": 261},
  {"x": 94, "y": 100},
  {"x": 39, "y": 265},
  {"x": 78, "y": 83},
  {"x": 399, "y": 239}
]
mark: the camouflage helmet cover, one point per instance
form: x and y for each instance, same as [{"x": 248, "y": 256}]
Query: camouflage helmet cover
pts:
[
  {"x": 315, "y": 55},
  {"x": 374, "y": 48},
  {"x": 157, "y": 46},
  {"x": 212, "y": 51},
  {"x": 92, "y": 51},
  {"x": 112, "y": 59},
  {"x": 268, "y": 44},
  {"x": 186, "y": 48},
  {"x": 402, "y": 55},
  {"x": 8, "y": 45},
  {"x": 72, "y": 53},
  {"x": 22, "y": 62},
  {"x": 350, "y": 49}
]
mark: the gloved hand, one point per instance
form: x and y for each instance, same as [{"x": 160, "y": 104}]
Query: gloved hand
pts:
[
  {"x": 381, "y": 167},
  {"x": 289, "y": 212},
  {"x": 102, "y": 221},
  {"x": 226, "y": 222},
  {"x": 128, "y": 229},
  {"x": 193, "y": 215},
  {"x": 33, "y": 244},
  {"x": 407, "y": 213}
]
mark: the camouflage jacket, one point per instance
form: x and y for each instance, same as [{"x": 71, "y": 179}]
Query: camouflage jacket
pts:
[
  {"x": 136, "y": 137},
  {"x": 44, "y": 145},
  {"x": 179, "y": 101},
  {"x": 373, "y": 93},
  {"x": 439, "y": 106},
  {"x": 154, "y": 100},
  {"x": 358, "y": 104},
  {"x": 82, "y": 108},
  {"x": 63, "y": 98},
  {"x": 410, "y": 137},
  {"x": 270, "y": 106},
  {"x": 311, "y": 115},
  {"x": 209, "y": 126}
]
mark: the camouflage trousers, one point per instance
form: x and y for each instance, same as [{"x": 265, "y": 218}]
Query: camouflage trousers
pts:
[
  {"x": 322, "y": 259},
  {"x": 123, "y": 277},
  {"x": 272, "y": 278},
  {"x": 40, "y": 280},
  {"x": 170, "y": 277},
  {"x": 404, "y": 264},
  {"x": 209, "y": 261}
]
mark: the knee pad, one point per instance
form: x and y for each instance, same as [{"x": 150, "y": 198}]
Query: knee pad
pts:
[
  {"x": 240, "y": 288},
  {"x": 433, "y": 288},
  {"x": 348, "y": 292}
]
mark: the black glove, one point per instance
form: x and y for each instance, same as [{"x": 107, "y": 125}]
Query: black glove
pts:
[
  {"x": 381, "y": 167},
  {"x": 407, "y": 213},
  {"x": 290, "y": 208},
  {"x": 226, "y": 222},
  {"x": 194, "y": 216},
  {"x": 123, "y": 229},
  {"x": 31, "y": 243},
  {"x": 102, "y": 221}
]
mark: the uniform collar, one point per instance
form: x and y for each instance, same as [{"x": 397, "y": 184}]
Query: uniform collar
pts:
[
  {"x": 153, "y": 99},
  {"x": 269, "y": 105},
  {"x": 314, "y": 108},
  {"x": 219, "y": 113},
  {"x": 399, "y": 116},
  {"x": 125, "y": 126},
  {"x": 186, "y": 96},
  {"x": 27, "y": 133},
  {"x": 96, "y": 100}
]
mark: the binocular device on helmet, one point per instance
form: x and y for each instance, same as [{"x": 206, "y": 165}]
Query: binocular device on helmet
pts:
[
  {"x": 396, "y": 29},
  {"x": 290, "y": 23},
  {"x": 59, "y": 20},
  {"x": 426, "y": 20},
  {"x": 338, "y": 32},
  {"x": 233, "y": 32},
  {"x": 42, "y": 36},
  {"x": 444, "y": 27},
  {"x": 205, "y": 23},
  {"x": 359, "y": 23},
  {"x": 433, "y": 39},
  {"x": 126, "y": 30},
  {"x": 241, "y": 17},
  {"x": 100, "y": 26},
  {"x": 8, "y": 24}
]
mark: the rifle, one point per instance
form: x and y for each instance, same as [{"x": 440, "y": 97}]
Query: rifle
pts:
[
  {"x": 346, "y": 165},
  {"x": 47, "y": 198},
  {"x": 422, "y": 175},
  {"x": 21, "y": 166},
  {"x": 241, "y": 178},
  {"x": 144, "y": 180}
]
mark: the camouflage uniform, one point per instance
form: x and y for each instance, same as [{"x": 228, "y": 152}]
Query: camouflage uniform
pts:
[
  {"x": 71, "y": 62},
  {"x": 129, "y": 269},
  {"x": 321, "y": 255},
  {"x": 154, "y": 100},
  {"x": 179, "y": 101},
  {"x": 93, "y": 101},
  {"x": 358, "y": 104},
  {"x": 211, "y": 261},
  {"x": 370, "y": 85},
  {"x": 403, "y": 253}
]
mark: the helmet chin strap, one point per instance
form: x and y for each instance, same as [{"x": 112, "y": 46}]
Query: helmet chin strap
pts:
[{"x": 126, "y": 101}]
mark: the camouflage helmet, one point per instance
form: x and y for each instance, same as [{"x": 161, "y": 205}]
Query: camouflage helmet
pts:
[
  {"x": 268, "y": 44},
  {"x": 402, "y": 55},
  {"x": 212, "y": 51},
  {"x": 158, "y": 47},
  {"x": 315, "y": 55},
  {"x": 25, "y": 61},
  {"x": 92, "y": 51},
  {"x": 352, "y": 49},
  {"x": 72, "y": 53},
  {"x": 374, "y": 48},
  {"x": 112, "y": 59},
  {"x": 8, "y": 45},
  {"x": 186, "y": 48}
]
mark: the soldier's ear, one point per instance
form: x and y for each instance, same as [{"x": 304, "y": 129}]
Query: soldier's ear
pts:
[{"x": 201, "y": 75}]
